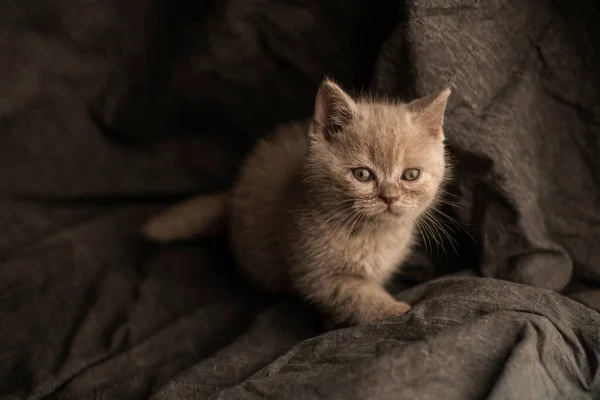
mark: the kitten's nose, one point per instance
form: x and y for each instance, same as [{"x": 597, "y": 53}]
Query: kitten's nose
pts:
[{"x": 389, "y": 199}]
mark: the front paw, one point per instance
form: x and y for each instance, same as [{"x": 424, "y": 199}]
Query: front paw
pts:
[
  {"x": 398, "y": 309},
  {"x": 390, "y": 310}
]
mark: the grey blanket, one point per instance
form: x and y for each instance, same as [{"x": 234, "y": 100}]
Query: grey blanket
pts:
[{"x": 111, "y": 110}]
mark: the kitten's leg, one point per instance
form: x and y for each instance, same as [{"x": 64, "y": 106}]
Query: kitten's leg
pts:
[{"x": 353, "y": 300}]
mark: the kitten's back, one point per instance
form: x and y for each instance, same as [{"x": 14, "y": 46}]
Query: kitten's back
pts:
[{"x": 260, "y": 202}]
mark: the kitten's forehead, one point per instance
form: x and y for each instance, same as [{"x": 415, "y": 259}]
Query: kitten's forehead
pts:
[
  {"x": 391, "y": 122},
  {"x": 388, "y": 135}
]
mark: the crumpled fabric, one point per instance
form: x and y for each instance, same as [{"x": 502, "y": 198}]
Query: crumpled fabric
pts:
[{"x": 111, "y": 111}]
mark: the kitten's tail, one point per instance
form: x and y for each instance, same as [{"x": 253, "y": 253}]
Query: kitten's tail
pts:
[{"x": 199, "y": 216}]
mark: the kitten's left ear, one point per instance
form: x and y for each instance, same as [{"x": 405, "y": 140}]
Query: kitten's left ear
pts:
[
  {"x": 428, "y": 112},
  {"x": 334, "y": 110}
]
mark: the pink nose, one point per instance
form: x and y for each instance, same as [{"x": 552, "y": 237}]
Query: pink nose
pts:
[{"x": 388, "y": 199}]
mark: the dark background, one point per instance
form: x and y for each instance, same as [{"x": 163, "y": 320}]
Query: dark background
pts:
[{"x": 112, "y": 110}]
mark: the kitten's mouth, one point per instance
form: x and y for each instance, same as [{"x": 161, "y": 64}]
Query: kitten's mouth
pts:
[{"x": 388, "y": 211}]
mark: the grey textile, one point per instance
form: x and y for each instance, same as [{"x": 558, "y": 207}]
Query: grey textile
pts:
[{"x": 110, "y": 110}]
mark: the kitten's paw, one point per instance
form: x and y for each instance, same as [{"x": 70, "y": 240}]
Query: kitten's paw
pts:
[
  {"x": 398, "y": 309},
  {"x": 368, "y": 314},
  {"x": 391, "y": 310},
  {"x": 402, "y": 308}
]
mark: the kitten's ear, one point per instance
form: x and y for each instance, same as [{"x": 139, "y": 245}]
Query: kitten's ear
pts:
[
  {"x": 428, "y": 112},
  {"x": 334, "y": 110}
]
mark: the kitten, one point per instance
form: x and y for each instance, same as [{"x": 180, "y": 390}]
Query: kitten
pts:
[{"x": 329, "y": 209}]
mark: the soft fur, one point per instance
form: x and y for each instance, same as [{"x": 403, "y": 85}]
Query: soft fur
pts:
[{"x": 299, "y": 219}]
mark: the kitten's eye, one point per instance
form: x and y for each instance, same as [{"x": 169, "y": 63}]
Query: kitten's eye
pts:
[
  {"x": 411, "y": 174},
  {"x": 362, "y": 174}
]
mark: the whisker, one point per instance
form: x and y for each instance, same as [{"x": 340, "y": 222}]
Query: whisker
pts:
[
  {"x": 440, "y": 227},
  {"x": 341, "y": 222},
  {"x": 353, "y": 224},
  {"x": 334, "y": 214},
  {"x": 453, "y": 221},
  {"x": 424, "y": 239},
  {"x": 435, "y": 229}
]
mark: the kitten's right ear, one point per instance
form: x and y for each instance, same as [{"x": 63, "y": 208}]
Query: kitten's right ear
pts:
[
  {"x": 429, "y": 112},
  {"x": 334, "y": 110}
]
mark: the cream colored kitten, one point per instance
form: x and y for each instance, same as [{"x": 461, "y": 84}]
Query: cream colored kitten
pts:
[{"x": 329, "y": 209}]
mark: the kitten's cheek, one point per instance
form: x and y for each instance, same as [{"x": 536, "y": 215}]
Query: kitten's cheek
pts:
[{"x": 372, "y": 209}]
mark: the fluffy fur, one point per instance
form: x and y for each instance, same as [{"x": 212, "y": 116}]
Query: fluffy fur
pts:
[{"x": 299, "y": 219}]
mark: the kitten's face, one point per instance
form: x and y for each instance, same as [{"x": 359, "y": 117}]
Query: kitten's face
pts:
[{"x": 382, "y": 161}]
